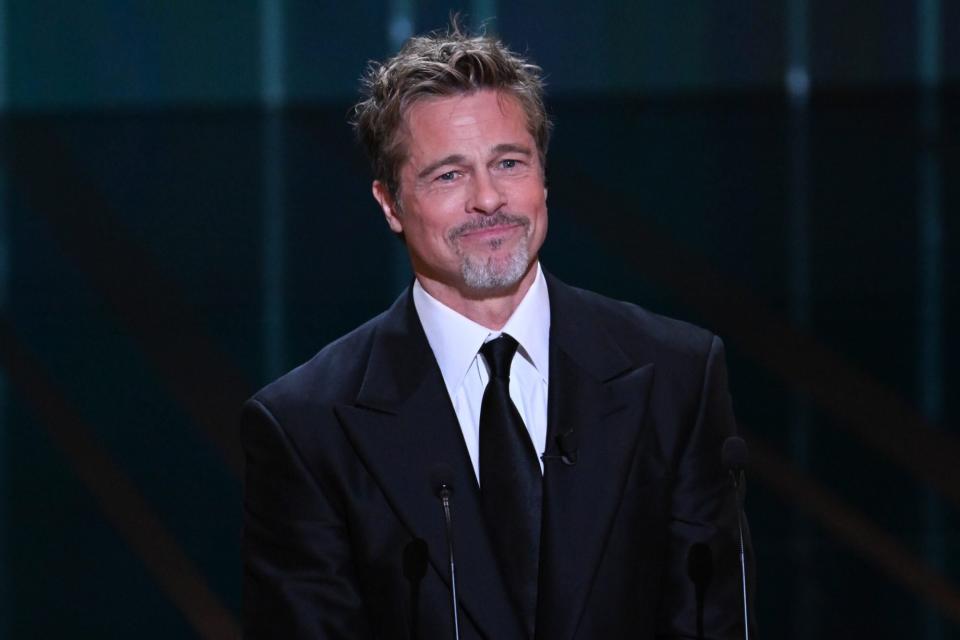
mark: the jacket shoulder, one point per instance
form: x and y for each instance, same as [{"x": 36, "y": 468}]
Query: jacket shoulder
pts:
[
  {"x": 643, "y": 333},
  {"x": 332, "y": 376}
]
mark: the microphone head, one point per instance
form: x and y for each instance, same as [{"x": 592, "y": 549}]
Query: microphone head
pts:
[
  {"x": 569, "y": 447},
  {"x": 734, "y": 454},
  {"x": 441, "y": 479}
]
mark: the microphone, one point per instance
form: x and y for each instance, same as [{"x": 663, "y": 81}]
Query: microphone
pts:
[
  {"x": 734, "y": 458},
  {"x": 700, "y": 571},
  {"x": 414, "y": 569},
  {"x": 569, "y": 448},
  {"x": 441, "y": 478}
]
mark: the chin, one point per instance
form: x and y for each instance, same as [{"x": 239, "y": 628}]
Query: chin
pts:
[{"x": 495, "y": 273}]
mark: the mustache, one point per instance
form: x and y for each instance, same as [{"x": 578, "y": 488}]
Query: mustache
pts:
[{"x": 486, "y": 222}]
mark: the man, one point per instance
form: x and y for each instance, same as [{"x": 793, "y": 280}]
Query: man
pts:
[{"x": 576, "y": 440}]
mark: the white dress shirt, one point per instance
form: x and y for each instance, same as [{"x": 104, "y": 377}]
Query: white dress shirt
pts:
[{"x": 456, "y": 341}]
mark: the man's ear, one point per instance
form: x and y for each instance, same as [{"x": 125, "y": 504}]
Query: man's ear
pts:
[{"x": 390, "y": 211}]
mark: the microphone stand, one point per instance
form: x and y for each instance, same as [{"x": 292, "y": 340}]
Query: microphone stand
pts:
[
  {"x": 445, "y": 501},
  {"x": 734, "y": 459},
  {"x": 737, "y": 476}
]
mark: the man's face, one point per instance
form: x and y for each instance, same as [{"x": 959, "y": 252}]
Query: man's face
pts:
[{"x": 472, "y": 202}]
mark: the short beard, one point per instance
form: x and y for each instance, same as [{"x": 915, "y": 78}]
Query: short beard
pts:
[{"x": 496, "y": 272}]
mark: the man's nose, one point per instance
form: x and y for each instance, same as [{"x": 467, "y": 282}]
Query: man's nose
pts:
[{"x": 486, "y": 195}]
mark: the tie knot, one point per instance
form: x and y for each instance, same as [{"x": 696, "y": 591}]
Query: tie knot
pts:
[{"x": 499, "y": 354}]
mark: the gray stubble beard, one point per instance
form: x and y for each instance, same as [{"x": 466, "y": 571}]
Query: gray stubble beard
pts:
[{"x": 496, "y": 271}]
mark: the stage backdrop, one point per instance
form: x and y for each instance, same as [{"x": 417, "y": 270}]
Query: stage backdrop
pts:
[{"x": 184, "y": 216}]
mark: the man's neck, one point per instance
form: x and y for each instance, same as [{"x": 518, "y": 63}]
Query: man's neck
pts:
[{"x": 490, "y": 309}]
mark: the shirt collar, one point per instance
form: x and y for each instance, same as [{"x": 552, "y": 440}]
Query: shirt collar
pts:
[{"x": 455, "y": 339}]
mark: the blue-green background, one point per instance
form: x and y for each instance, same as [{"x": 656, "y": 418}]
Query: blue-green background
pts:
[{"x": 184, "y": 215}]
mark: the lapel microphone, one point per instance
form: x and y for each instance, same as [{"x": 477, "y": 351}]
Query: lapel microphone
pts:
[
  {"x": 441, "y": 479},
  {"x": 734, "y": 458},
  {"x": 569, "y": 448}
]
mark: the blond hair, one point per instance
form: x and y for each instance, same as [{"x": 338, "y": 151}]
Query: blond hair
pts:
[{"x": 441, "y": 64}]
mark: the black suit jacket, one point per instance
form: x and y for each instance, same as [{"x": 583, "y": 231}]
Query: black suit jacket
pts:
[{"x": 340, "y": 453}]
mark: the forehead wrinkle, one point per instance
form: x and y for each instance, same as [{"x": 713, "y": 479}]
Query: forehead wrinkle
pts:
[{"x": 506, "y": 102}]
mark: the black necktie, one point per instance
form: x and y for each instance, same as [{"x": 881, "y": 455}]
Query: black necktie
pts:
[{"x": 511, "y": 484}]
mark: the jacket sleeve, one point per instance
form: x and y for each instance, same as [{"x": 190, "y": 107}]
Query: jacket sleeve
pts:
[
  {"x": 299, "y": 580},
  {"x": 703, "y": 533}
]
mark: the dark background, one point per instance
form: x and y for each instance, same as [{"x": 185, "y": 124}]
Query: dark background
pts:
[{"x": 184, "y": 216}]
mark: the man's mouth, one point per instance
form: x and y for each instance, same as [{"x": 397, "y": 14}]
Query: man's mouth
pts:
[
  {"x": 480, "y": 234},
  {"x": 492, "y": 226}
]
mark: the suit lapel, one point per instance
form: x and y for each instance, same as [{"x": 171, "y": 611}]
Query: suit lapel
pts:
[
  {"x": 600, "y": 395},
  {"x": 403, "y": 426}
]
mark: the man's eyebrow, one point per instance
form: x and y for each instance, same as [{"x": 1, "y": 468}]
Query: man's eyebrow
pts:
[
  {"x": 510, "y": 147},
  {"x": 454, "y": 158}
]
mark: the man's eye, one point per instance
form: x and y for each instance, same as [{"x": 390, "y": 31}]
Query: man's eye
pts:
[
  {"x": 509, "y": 164},
  {"x": 448, "y": 176}
]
